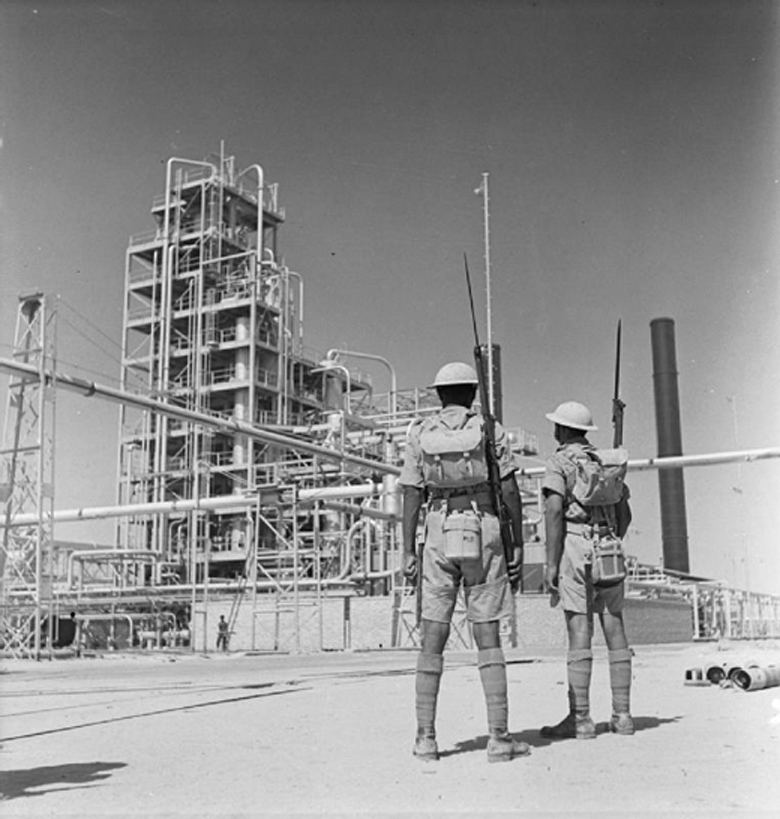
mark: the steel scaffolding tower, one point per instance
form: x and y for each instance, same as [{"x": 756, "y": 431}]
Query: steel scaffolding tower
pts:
[
  {"x": 213, "y": 323},
  {"x": 210, "y": 324},
  {"x": 27, "y": 556}
]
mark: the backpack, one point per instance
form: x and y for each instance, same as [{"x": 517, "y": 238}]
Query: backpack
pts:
[
  {"x": 599, "y": 476},
  {"x": 453, "y": 457},
  {"x": 598, "y": 487}
]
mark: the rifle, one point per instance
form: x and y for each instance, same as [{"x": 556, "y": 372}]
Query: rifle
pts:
[
  {"x": 489, "y": 427},
  {"x": 418, "y": 586},
  {"x": 618, "y": 406}
]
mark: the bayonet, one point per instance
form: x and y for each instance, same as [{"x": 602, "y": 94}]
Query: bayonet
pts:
[{"x": 618, "y": 406}]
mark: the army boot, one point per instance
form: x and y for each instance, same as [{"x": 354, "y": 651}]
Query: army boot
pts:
[
  {"x": 620, "y": 680},
  {"x": 572, "y": 726},
  {"x": 577, "y": 724},
  {"x": 622, "y": 724},
  {"x": 425, "y": 747},
  {"x": 503, "y": 747}
]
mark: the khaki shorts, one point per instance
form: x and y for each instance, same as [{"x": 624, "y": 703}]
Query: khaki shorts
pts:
[
  {"x": 484, "y": 579},
  {"x": 576, "y": 560}
]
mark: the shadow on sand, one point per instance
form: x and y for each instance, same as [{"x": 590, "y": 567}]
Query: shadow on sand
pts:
[
  {"x": 15, "y": 784},
  {"x": 536, "y": 740},
  {"x": 191, "y": 707}
]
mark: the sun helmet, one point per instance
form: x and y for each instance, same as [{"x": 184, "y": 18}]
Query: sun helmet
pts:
[
  {"x": 456, "y": 372},
  {"x": 572, "y": 414}
]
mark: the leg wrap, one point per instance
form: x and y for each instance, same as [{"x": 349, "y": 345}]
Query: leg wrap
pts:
[
  {"x": 426, "y": 686},
  {"x": 620, "y": 680},
  {"x": 579, "y": 667},
  {"x": 492, "y": 671}
]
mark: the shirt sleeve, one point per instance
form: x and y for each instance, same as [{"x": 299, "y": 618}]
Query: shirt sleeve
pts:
[
  {"x": 411, "y": 471},
  {"x": 555, "y": 476}
]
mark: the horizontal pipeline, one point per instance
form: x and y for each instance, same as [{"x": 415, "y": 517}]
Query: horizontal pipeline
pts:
[
  {"x": 364, "y": 490},
  {"x": 678, "y": 461},
  {"x": 354, "y": 491},
  {"x": 90, "y": 389}
]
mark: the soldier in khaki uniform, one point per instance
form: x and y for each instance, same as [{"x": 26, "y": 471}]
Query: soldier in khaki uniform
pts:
[
  {"x": 444, "y": 468},
  {"x": 570, "y": 531}
]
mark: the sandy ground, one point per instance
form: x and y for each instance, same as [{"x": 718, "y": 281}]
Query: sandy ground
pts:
[{"x": 241, "y": 735}]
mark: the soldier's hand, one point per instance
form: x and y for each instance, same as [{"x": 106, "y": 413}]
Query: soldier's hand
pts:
[
  {"x": 515, "y": 566},
  {"x": 410, "y": 567},
  {"x": 551, "y": 585},
  {"x": 551, "y": 579}
]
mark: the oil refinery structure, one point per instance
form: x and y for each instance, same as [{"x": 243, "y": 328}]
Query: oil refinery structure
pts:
[{"x": 257, "y": 479}]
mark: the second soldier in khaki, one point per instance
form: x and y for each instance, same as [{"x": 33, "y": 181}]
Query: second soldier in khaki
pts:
[{"x": 572, "y": 530}]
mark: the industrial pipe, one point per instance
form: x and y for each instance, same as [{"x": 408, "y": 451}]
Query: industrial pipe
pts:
[
  {"x": 91, "y": 389},
  {"x": 708, "y": 459},
  {"x": 756, "y": 678},
  {"x": 717, "y": 673},
  {"x": 172, "y": 507},
  {"x": 147, "y": 592},
  {"x": 364, "y": 525},
  {"x": 355, "y": 490},
  {"x": 364, "y": 511},
  {"x": 107, "y": 556},
  {"x": 88, "y": 618}
]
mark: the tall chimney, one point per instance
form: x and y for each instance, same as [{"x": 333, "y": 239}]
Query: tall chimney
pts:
[{"x": 671, "y": 484}]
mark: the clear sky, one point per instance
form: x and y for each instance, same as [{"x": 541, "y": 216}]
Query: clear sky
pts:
[{"x": 634, "y": 166}]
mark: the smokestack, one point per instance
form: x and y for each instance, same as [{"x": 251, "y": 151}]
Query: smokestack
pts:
[{"x": 671, "y": 484}]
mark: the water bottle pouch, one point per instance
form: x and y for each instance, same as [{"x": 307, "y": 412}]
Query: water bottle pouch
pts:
[
  {"x": 462, "y": 536},
  {"x": 609, "y": 562}
]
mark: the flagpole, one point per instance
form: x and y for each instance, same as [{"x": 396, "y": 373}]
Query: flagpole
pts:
[{"x": 483, "y": 189}]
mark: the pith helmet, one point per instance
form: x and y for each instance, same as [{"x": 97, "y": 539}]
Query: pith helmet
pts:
[
  {"x": 455, "y": 373},
  {"x": 572, "y": 414}
]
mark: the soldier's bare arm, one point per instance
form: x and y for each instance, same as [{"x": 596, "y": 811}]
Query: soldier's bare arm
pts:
[
  {"x": 413, "y": 498},
  {"x": 554, "y": 532}
]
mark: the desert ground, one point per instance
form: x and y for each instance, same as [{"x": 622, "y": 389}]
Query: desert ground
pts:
[{"x": 241, "y": 735}]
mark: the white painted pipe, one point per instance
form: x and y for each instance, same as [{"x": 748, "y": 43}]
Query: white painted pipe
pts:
[
  {"x": 91, "y": 389},
  {"x": 674, "y": 462},
  {"x": 107, "y": 556},
  {"x": 180, "y": 506}
]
